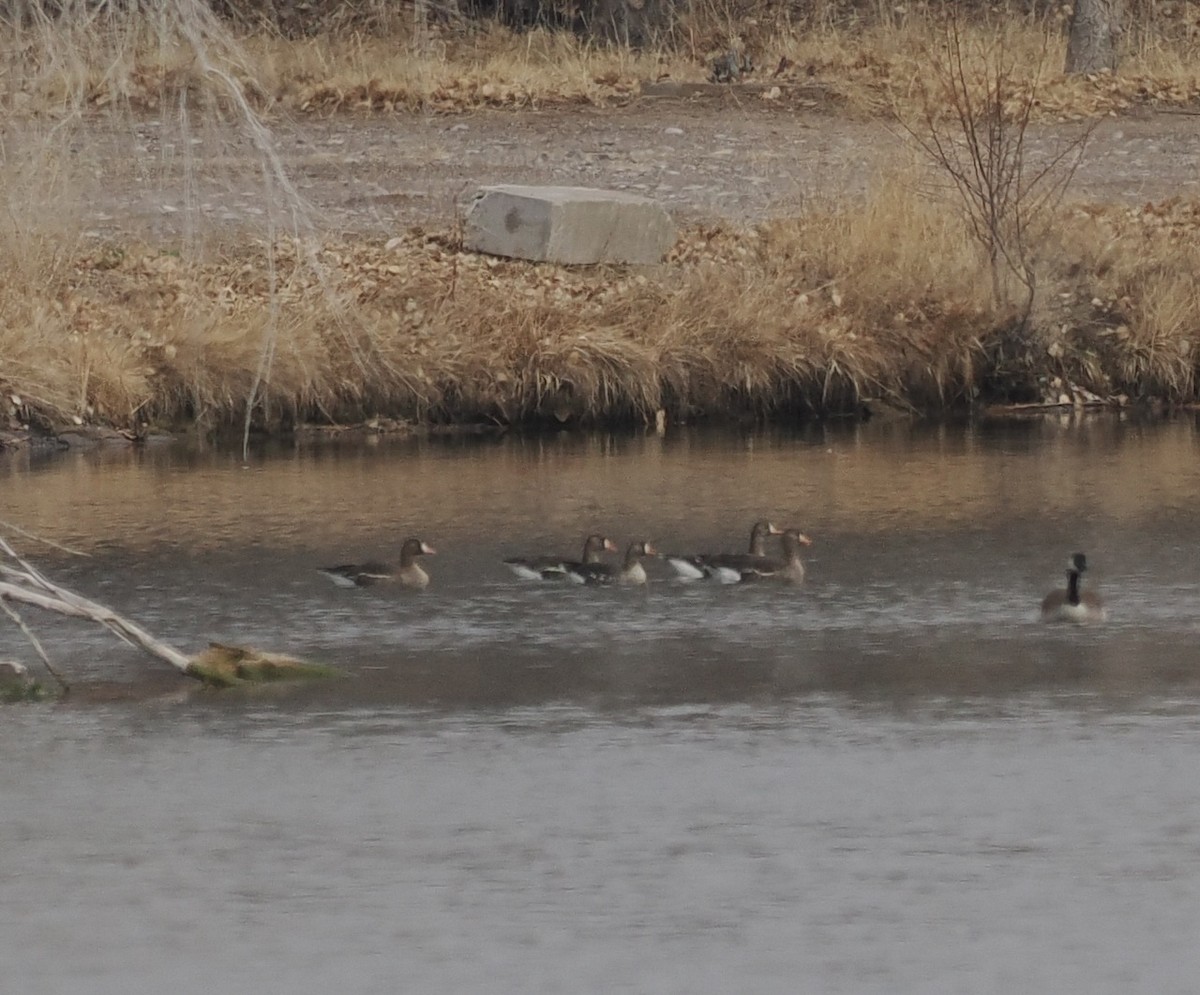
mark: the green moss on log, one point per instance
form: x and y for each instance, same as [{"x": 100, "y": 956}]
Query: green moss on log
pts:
[
  {"x": 228, "y": 666},
  {"x": 14, "y": 691}
]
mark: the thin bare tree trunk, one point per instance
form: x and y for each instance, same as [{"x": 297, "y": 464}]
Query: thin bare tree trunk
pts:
[{"x": 1094, "y": 33}]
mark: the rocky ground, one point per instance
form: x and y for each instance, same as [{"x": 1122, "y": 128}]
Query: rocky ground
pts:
[{"x": 726, "y": 158}]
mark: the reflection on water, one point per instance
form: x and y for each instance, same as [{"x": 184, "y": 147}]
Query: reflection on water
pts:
[
  {"x": 891, "y": 780},
  {"x": 933, "y": 547}
]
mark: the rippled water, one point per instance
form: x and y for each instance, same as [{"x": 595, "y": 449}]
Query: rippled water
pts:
[{"x": 894, "y": 779}]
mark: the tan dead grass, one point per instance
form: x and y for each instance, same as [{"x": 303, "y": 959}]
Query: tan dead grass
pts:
[
  {"x": 866, "y": 69},
  {"x": 1141, "y": 310},
  {"x": 848, "y": 302},
  {"x": 39, "y": 360},
  {"x": 878, "y": 69},
  {"x": 495, "y": 68},
  {"x": 885, "y": 300}
]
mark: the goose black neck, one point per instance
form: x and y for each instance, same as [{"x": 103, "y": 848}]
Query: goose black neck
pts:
[{"x": 1072, "y": 587}]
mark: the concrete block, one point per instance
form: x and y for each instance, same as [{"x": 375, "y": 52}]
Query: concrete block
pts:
[{"x": 569, "y": 225}]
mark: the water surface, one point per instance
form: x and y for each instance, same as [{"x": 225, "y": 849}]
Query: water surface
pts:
[{"x": 893, "y": 779}]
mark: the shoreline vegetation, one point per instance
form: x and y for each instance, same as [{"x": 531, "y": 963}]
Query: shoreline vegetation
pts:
[{"x": 893, "y": 301}]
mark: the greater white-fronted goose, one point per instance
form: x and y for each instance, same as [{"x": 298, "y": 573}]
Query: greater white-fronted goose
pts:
[
  {"x": 1073, "y": 604},
  {"x": 558, "y": 567},
  {"x": 788, "y": 569},
  {"x": 631, "y": 571},
  {"x": 726, "y": 567},
  {"x": 407, "y": 574}
]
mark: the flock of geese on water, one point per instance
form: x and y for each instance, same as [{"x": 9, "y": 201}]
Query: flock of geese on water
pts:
[{"x": 1069, "y": 604}]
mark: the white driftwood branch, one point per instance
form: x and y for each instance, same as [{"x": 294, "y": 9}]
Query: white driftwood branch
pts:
[
  {"x": 218, "y": 665},
  {"x": 36, "y": 643},
  {"x": 64, "y": 602}
]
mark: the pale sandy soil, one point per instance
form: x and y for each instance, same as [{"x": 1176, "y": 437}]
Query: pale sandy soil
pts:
[{"x": 706, "y": 160}]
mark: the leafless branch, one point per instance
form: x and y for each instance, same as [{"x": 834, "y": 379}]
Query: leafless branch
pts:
[
  {"x": 974, "y": 127},
  {"x": 35, "y": 643}
]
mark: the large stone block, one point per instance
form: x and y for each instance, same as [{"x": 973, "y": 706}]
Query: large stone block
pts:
[{"x": 571, "y": 225}]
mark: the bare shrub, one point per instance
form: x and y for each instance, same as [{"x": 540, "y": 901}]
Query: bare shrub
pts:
[{"x": 975, "y": 110}]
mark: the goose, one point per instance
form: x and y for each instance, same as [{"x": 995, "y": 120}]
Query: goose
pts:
[
  {"x": 725, "y": 567},
  {"x": 1072, "y": 604},
  {"x": 631, "y": 571},
  {"x": 407, "y": 574},
  {"x": 556, "y": 567},
  {"x": 788, "y": 569}
]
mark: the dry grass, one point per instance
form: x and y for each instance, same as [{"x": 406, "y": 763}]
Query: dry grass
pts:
[
  {"x": 869, "y": 68},
  {"x": 868, "y": 71},
  {"x": 495, "y": 68},
  {"x": 1139, "y": 311},
  {"x": 884, "y": 300},
  {"x": 43, "y": 360}
]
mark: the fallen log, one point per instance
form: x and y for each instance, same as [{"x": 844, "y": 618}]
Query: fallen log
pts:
[{"x": 225, "y": 666}]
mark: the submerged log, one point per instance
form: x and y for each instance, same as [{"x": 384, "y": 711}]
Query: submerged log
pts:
[{"x": 224, "y": 666}]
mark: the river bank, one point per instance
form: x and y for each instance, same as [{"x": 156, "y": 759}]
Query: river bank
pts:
[
  {"x": 309, "y": 267},
  {"x": 878, "y": 303}
]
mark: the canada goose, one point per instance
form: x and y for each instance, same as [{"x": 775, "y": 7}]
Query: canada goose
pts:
[
  {"x": 557, "y": 567},
  {"x": 725, "y": 567},
  {"x": 407, "y": 574},
  {"x": 1073, "y": 605},
  {"x": 786, "y": 570},
  {"x": 630, "y": 571}
]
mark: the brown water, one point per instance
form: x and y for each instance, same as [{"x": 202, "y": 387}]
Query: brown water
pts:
[{"x": 892, "y": 780}]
